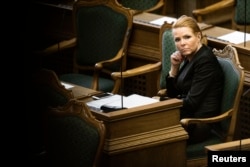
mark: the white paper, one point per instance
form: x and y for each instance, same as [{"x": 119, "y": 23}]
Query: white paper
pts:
[
  {"x": 67, "y": 86},
  {"x": 133, "y": 100},
  {"x": 161, "y": 20},
  {"x": 235, "y": 37}
]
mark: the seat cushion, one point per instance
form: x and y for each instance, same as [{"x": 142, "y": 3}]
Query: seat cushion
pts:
[
  {"x": 105, "y": 85},
  {"x": 198, "y": 150}
]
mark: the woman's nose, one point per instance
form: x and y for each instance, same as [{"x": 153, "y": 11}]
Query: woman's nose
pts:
[{"x": 182, "y": 41}]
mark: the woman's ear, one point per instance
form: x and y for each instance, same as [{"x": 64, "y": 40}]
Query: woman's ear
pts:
[
  {"x": 204, "y": 40},
  {"x": 199, "y": 35}
]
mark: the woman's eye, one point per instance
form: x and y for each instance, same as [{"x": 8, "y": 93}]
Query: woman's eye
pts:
[
  {"x": 177, "y": 40},
  {"x": 187, "y": 37}
]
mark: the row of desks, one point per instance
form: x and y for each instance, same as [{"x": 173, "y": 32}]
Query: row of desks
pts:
[
  {"x": 144, "y": 42},
  {"x": 145, "y": 39}
]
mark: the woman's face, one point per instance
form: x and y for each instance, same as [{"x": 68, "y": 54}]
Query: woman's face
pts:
[{"x": 187, "y": 42}]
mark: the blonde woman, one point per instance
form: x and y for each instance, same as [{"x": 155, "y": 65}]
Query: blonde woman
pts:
[{"x": 199, "y": 80}]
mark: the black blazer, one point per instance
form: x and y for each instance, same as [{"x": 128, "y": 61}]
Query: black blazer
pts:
[{"x": 199, "y": 83}]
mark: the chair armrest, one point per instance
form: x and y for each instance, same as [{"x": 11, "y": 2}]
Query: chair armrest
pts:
[
  {"x": 187, "y": 121},
  {"x": 59, "y": 47},
  {"x": 214, "y": 7},
  {"x": 157, "y": 6},
  {"x": 101, "y": 64},
  {"x": 137, "y": 71},
  {"x": 152, "y": 9}
]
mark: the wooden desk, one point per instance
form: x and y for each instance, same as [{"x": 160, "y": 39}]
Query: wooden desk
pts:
[
  {"x": 232, "y": 146},
  {"x": 147, "y": 136},
  {"x": 145, "y": 39},
  {"x": 144, "y": 43},
  {"x": 242, "y": 49}
]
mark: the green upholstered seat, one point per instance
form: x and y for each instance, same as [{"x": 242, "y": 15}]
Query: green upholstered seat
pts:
[
  {"x": 45, "y": 91},
  {"x": 74, "y": 137},
  {"x": 48, "y": 90},
  {"x": 195, "y": 151},
  {"x": 233, "y": 86},
  {"x": 167, "y": 48},
  {"x": 242, "y": 12},
  {"x": 102, "y": 29}
]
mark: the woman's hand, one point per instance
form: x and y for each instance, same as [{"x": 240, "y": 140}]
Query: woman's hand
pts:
[{"x": 176, "y": 59}]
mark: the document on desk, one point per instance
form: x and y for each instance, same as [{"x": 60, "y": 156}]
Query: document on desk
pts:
[
  {"x": 235, "y": 37},
  {"x": 116, "y": 101},
  {"x": 161, "y": 20}
]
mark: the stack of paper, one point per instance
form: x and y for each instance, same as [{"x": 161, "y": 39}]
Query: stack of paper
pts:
[
  {"x": 118, "y": 101},
  {"x": 235, "y": 37}
]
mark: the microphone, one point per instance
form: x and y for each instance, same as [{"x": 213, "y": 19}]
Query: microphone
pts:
[
  {"x": 121, "y": 88},
  {"x": 245, "y": 25}
]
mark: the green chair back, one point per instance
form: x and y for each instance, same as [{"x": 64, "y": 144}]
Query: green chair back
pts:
[
  {"x": 74, "y": 137},
  {"x": 167, "y": 48},
  {"x": 242, "y": 12},
  {"x": 139, "y": 4},
  {"x": 232, "y": 90},
  {"x": 231, "y": 84},
  {"x": 102, "y": 29},
  {"x": 48, "y": 90},
  {"x": 71, "y": 137},
  {"x": 45, "y": 91},
  {"x": 100, "y": 32}
]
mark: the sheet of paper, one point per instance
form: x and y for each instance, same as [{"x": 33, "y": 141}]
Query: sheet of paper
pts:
[
  {"x": 133, "y": 100},
  {"x": 67, "y": 86},
  {"x": 161, "y": 20},
  {"x": 235, "y": 37}
]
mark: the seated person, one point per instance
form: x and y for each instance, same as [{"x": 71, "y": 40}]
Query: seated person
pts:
[{"x": 199, "y": 80}]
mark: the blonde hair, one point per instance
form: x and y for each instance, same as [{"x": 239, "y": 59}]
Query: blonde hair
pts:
[{"x": 186, "y": 21}]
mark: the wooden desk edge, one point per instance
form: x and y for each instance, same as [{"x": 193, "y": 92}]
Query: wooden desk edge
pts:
[
  {"x": 232, "y": 146},
  {"x": 135, "y": 111}
]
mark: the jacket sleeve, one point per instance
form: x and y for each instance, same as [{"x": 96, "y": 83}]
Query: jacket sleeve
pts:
[{"x": 170, "y": 85}]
